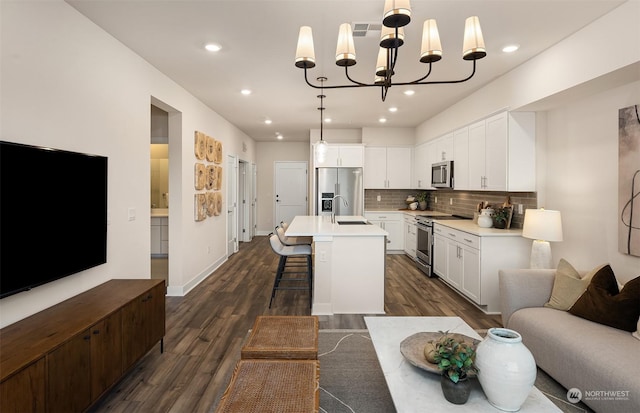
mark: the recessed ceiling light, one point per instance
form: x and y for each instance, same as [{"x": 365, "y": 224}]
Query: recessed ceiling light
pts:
[
  {"x": 279, "y": 136},
  {"x": 510, "y": 48},
  {"x": 245, "y": 92},
  {"x": 382, "y": 120},
  {"x": 213, "y": 47},
  {"x": 327, "y": 120},
  {"x": 393, "y": 109},
  {"x": 267, "y": 121},
  {"x": 409, "y": 92}
]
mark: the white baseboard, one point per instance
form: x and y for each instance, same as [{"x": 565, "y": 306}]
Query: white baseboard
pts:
[{"x": 182, "y": 290}]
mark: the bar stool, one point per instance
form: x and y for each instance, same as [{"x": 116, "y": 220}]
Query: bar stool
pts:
[
  {"x": 293, "y": 252},
  {"x": 292, "y": 240}
]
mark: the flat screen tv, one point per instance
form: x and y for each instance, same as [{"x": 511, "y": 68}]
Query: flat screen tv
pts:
[{"x": 53, "y": 215}]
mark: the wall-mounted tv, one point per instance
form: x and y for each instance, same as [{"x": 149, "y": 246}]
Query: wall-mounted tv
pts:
[{"x": 53, "y": 215}]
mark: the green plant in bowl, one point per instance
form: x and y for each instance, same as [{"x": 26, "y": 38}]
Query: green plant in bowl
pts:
[{"x": 455, "y": 358}]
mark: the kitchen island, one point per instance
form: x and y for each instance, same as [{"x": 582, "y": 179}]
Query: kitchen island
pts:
[{"x": 349, "y": 263}]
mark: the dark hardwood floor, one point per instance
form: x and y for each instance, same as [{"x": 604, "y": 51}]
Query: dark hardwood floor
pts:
[{"x": 206, "y": 328}]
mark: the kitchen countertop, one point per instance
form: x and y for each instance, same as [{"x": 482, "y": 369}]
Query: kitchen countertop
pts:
[
  {"x": 473, "y": 228},
  {"x": 312, "y": 225},
  {"x": 159, "y": 212}
]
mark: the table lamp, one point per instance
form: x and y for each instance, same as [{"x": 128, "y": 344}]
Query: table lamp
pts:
[{"x": 542, "y": 225}]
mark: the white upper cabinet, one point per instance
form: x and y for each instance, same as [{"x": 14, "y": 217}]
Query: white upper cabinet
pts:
[
  {"x": 341, "y": 155},
  {"x": 461, "y": 158},
  {"x": 443, "y": 148},
  {"x": 422, "y": 167},
  {"x": 387, "y": 167},
  {"x": 502, "y": 153}
]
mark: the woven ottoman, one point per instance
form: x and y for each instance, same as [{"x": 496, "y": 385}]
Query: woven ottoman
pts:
[
  {"x": 273, "y": 386},
  {"x": 283, "y": 338}
]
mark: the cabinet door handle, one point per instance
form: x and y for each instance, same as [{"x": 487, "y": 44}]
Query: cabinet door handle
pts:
[
  {"x": 468, "y": 240},
  {"x": 86, "y": 338},
  {"x": 96, "y": 332},
  {"x": 452, "y": 235}
]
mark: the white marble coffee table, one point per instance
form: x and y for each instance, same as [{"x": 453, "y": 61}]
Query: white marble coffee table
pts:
[{"x": 415, "y": 390}]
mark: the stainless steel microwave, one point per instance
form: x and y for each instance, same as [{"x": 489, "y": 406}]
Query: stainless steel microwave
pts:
[{"x": 442, "y": 174}]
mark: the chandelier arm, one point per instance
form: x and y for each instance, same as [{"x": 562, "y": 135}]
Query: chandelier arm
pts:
[
  {"x": 424, "y": 77},
  {"x": 436, "y": 82},
  {"x": 357, "y": 84},
  {"x": 346, "y": 73}
]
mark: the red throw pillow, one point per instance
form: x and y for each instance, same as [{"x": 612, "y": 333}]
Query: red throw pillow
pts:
[{"x": 603, "y": 303}]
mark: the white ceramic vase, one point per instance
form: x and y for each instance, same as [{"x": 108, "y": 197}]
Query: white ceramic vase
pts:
[
  {"x": 485, "y": 220},
  {"x": 506, "y": 369}
]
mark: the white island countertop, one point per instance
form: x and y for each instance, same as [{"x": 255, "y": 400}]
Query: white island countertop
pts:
[{"x": 319, "y": 226}]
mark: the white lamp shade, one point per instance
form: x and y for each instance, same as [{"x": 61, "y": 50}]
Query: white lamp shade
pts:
[
  {"x": 388, "y": 37},
  {"x": 396, "y": 12},
  {"x": 345, "y": 49},
  {"x": 431, "y": 46},
  {"x": 321, "y": 150},
  {"x": 381, "y": 63},
  {"x": 473, "y": 46},
  {"x": 542, "y": 224},
  {"x": 305, "y": 54}
]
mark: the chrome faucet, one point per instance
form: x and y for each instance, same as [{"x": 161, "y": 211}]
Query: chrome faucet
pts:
[{"x": 333, "y": 210}]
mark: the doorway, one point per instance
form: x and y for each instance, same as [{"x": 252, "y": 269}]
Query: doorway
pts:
[
  {"x": 246, "y": 201},
  {"x": 290, "y": 191},
  {"x": 232, "y": 206},
  {"x": 159, "y": 193}
]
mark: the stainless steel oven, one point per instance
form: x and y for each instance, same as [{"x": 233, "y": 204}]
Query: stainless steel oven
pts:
[
  {"x": 424, "y": 247},
  {"x": 424, "y": 250}
]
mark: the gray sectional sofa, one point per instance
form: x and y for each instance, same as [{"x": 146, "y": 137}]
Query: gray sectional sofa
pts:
[{"x": 602, "y": 362}]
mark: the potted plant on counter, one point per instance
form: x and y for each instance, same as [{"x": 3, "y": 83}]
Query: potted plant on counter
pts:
[
  {"x": 422, "y": 200},
  {"x": 501, "y": 217},
  {"x": 456, "y": 360}
]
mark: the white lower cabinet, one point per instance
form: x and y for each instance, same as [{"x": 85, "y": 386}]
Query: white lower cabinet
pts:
[
  {"x": 410, "y": 236},
  {"x": 159, "y": 235},
  {"x": 470, "y": 263},
  {"x": 391, "y": 222}
]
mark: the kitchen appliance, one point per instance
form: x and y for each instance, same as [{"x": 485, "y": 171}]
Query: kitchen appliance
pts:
[
  {"x": 442, "y": 174},
  {"x": 424, "y": 249},
  {"x": 346, "y": 182}
]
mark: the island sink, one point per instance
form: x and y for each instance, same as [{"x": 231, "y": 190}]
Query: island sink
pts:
[{"x": 353, "y": 223}]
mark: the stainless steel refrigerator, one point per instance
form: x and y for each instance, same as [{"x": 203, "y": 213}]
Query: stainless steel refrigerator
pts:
[{"x": 346, "y": 182}]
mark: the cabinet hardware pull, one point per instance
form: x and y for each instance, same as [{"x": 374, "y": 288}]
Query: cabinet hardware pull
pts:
[
  {"x": 96, "y": 331},
  {"x": 87, "y": 338},
  {"x": 453, "y": 235},
  {"x": 468, "y": 240}
]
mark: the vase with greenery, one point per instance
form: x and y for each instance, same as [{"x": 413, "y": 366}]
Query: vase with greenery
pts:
[
  {"x": 422, "y": 200},
  {"x": 456, "y": 361}
]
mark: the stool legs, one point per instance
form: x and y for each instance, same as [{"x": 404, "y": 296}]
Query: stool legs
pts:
[{"x": 282, "y": 264}]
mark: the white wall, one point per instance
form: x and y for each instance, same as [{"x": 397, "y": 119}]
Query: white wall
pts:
[
  {"x": 578, "y": 97},
  {"x": 389, "y": 136},
  {"x": 68, "y": 84},
  {"x": 582, "y": 176},
  {"x": 267, "y": 153}
]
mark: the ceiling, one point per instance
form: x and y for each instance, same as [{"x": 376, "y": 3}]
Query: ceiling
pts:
[{"x": 259, "y": 38}]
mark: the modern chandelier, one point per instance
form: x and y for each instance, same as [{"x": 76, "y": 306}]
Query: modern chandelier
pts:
[{"x": 397, "y": 14}]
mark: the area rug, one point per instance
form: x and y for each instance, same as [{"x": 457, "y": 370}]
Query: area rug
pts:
[{"x": 351, "y": 380}]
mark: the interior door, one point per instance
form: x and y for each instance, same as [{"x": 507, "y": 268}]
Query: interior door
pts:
[
  {"x": 290, "y": 191},
  {"x": 232, "y": 206}
]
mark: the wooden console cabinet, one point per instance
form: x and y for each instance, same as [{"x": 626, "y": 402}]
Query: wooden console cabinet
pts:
[{"x": 64, "y": 358}]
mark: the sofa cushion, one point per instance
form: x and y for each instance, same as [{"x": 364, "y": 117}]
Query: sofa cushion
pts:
[
  {"x": 603, "y": 303},
  {"x": 568, "y": 286}
]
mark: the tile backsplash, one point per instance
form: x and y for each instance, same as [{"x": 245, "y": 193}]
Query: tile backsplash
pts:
[{"x": 450, "y": 201}]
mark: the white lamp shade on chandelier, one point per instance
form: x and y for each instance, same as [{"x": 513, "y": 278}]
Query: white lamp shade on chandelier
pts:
[
  {"x": 473, "y": 45},
  {"x": 305, "y": 54},
  {"x": 542, "y": 225},
  {"x": 431, "y": 50}
]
